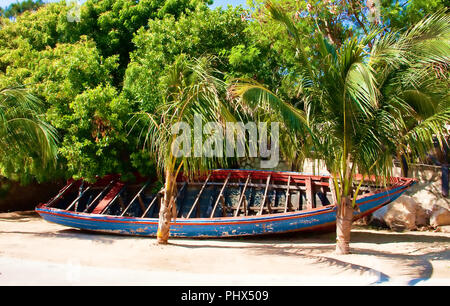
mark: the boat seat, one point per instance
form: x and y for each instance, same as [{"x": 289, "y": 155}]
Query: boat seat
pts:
[{"x": 108, "y": 198}]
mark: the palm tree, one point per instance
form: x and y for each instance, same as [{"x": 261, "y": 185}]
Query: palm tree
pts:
[
  {"x": 26, "y": 141},
  {"x": 363, "y": 107},
  {"x": 192, "y": 90}
]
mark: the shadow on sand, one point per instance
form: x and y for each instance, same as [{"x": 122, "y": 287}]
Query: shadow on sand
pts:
[
  {"x": 320, "y": 248},
  {"x": 317, "y": 247}
]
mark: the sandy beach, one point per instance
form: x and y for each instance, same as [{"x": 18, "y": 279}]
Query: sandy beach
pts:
[{"x": 35, "y": 252}]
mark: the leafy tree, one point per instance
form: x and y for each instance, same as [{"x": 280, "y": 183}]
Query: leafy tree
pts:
[
  {"x": 96, "y": 140},
  {"x": 77, "y": 83},
  {"x": 218, "y": 32},
  {"x": 63, "y": 77},
  {"x": 112, "y": 23},
  {"x": 28, "y": 144},
  {"x": 401, "y": 15},
  {"x": 19, "y": 7},
  {"x": 337, "y": 20},
  {"x": 362, "y": 106},
  {"x": 76, "y": 68}
]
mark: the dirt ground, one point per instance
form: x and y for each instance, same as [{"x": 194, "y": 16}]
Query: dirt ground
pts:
[{"x": 34, "y": 252}]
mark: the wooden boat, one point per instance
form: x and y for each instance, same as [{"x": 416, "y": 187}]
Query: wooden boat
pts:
[{"x": 221, "y": 203}]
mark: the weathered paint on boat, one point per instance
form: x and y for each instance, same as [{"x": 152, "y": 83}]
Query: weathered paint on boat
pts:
[{"x": 320, "y": 218}]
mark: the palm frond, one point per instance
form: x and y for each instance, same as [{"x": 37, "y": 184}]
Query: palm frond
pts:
[
  {"x": 360, "y": 85},
  {"x": 23, "y": 133},
  {"x": 192, "y": 90},
  {"x": 430, "y": 27},
  {"x": 420, "y": 138},
  {"x": 255, "y": 95}
]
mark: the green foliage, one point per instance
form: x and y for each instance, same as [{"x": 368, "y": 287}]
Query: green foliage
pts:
[
  {"x": 75, "y": 83},
  {"x": 244, "y": 58},
  {"x": 95, "y": 142},
  {"x": 221, "y": 33},
  {"x": 362, "y": 107},
  {"x": 305, "y": 20},
  {"x": 191, "y": 88},
  {"x": 76, "y": 68},
  {"x": 27, "y": 143},
  {"x": 112, "y": 23},
  {"x": 401, "y": 15},
  {"x": 18, "y": 8},
  {"x": 62, "y": 73},
  {"x": 113, "y": 59}
]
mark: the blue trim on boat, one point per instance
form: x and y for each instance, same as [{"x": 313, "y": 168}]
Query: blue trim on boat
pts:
[{"x": 219, "y": 227}]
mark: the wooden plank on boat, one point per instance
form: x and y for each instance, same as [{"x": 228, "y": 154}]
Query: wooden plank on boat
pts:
[
  {"x": 224, "y": 207},
  {"x": 242, "y": 196},
  {"x": 52, "y": 201},
  {"x": 274, "y": 200},
  {"x": 324, "y": 190},
  {"x": 122, "y": 204},
  {"x": 98, "y": 196},
  {"x": 158, "y": 195},
  {"x": 198, "y": 197},
  {"x": 253, "y": 185},
  {"x": 309, "y": 194},
  {"x": 263, "y": 202},
  {"x": 80, "y": 194},
  {"x": 257, "y": 208},
  {"x": 110, "y": 196},
  {"x": 118, "y": 196},
  {"x": 141, "y": 203},
  {"x": 287, "y": 195},
  {"x": 298, "y": 198},
  {"x": 220, "y": 195},
  {"x": 181, "y": 190},
  {"x": 138, "y": 195},
  {"x": 295, "y": 200}
]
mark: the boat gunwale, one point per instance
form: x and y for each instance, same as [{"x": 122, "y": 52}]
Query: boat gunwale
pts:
[{"x": 400, "y": 185}]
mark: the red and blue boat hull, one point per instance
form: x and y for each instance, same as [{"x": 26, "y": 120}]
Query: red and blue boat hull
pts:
[{"x": 321, "y": 218}]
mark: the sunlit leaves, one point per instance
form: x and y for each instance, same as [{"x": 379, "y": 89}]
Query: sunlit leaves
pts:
[{"x": 28, "y": 145}]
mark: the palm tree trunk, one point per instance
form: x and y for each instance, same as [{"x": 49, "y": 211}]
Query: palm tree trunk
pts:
[
  {"x": 166, "y": 209},
  {"x": 165, "y": 215},
  {"x": 344, "y": 220},
  {"x": 344, "y": 216}
]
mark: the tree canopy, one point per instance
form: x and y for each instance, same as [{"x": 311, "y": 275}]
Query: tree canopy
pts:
[
  {"x": 18, "y": 8},
  {"x": 95, "y": 64},
  {"x": 92, "y": 71}
]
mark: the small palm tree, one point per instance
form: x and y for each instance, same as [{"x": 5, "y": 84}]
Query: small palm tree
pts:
[
  {"x": 363, "y": 107},
  {"x": 26, "y": 140},
  {"x": 192, "y": 91}
]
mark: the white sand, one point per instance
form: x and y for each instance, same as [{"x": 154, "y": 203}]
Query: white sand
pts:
[{"x": 34, "y": 252}]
